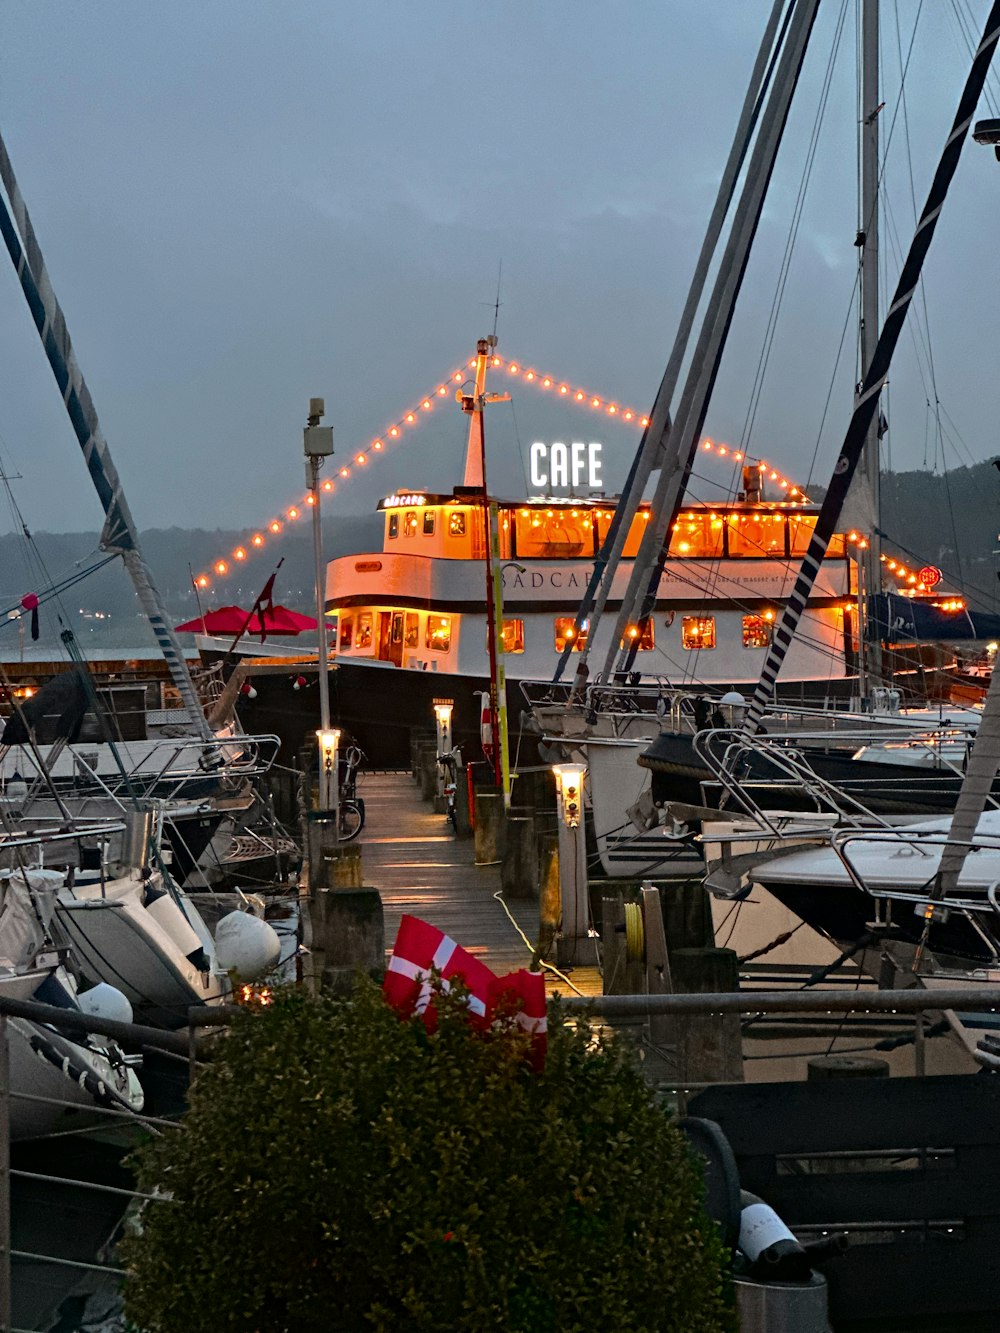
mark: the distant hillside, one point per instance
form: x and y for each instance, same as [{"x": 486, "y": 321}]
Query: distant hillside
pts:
[
  {"x": 103, "y": 609},
  {"x": 949, "y": 520}
]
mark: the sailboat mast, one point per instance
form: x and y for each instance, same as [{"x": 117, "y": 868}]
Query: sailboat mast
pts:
[
  {"x": 866, "y": 401},
  {"x": 869, "y": 564},
  {"x": 120, "y": 534}
]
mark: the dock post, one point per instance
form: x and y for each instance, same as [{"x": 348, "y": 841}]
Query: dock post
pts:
[
  {"x": 332, "y": 864},
  {"x": 548, "y": 893},
  {"x": 349, "y": 927},
  {"x": 710, "y": 1048},
  {"x": 463, "y": 820},
  {"x": 489, "y": 825},
  {"x": 519, "y": 868}
]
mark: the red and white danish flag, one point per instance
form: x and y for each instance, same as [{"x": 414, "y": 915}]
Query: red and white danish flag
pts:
[{"x": 420, "y": 947}]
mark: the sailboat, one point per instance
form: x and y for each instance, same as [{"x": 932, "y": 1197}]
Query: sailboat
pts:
[
  {"x": 922, "y": 898},
  {"x": 130, "y": 925},
  {"x": 57, "y": 1078},
  {"x": 920, "y": 756}
]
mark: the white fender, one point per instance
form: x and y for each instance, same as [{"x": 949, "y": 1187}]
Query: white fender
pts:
[
  {"x": 104, "y": 1001},
  {"x": 246, "y": 945}
]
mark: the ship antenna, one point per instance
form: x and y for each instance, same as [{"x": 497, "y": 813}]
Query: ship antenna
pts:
[{"x": 497, "y": 303}]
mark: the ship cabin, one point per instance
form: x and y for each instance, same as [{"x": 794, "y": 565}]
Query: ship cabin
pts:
[{"x": 420, "y": 602}]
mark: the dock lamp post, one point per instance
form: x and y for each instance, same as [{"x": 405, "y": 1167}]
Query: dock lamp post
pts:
[
  {"x": 329, "y": 765},
  {"x": 318, "y": 444},
  {"x": 443, "y": 709},
  {"x": 570, "y": 780}
]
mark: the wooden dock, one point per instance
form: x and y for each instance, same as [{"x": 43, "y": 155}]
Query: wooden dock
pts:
[{"x": 411, "y": 856}]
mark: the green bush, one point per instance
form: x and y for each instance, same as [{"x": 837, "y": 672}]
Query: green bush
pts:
[{"x": 343, "y": 1170}]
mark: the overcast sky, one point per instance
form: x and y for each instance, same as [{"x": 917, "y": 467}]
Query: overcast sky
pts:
[{"x": 244, "y": 204}]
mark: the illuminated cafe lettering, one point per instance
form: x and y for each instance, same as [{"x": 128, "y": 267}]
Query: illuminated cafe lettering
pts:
[
  {"x": 559, "y": 464},
  {"x": 398, "y": 501}
]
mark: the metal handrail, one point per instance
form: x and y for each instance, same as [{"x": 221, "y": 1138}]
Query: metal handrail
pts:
[{"x": 919, "y": 843}]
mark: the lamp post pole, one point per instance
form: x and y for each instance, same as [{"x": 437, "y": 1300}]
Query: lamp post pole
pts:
[{"x": 318, "y": 444}]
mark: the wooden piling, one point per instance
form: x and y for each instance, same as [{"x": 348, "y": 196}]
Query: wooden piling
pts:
[
  {"x": 549, "y": 897},
  {"x": 709, "y": 1049},
  {"x": 463, "y": 817},
  {"x": 349, "y": 927},
  {"x": 489, "y": 825},
  {"x": 519, "y": 867}
]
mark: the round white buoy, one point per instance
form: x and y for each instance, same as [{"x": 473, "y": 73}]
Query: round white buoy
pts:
[
  {"x": 246, "y": 945},
  {"x": 104, "y": 1001}
]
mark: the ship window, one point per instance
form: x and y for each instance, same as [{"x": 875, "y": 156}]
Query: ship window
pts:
[
  {"x": 642, "y": 632},
  {"x": 757, "y": 630},
  {"x": 393, "y": 525},
  {"x": 513, "y": 636},
  {"x": 800, "y": 531},
  {"x": 697, "y": 537},
  {"x": 553, "y": 534},
  {"x": 331, "y": 633},
  {"x": 411, "y": 634},
  {"x": 566, "y": 634},
  {"x": 396, "y": 627},
  {"x": 438, "y": 634},
  {"x": 753, "y": 534},
  {"x": 429, "y": 517},
  {"x": 698, "y": 632},
  {"x": 456, "y": 523},
  {"x": 602, "y": 521},
  {"x": 346, "y": 631},
  {"x": 410, "y": 523},
  {"x": 364, "y": 639}
]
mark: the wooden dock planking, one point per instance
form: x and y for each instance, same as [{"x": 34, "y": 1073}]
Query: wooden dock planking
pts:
[{"x": 410, "y": 856}]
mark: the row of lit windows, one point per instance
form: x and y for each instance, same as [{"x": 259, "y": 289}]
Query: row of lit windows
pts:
[
  {"x": 358, "y": 631},
  {"x": 559, "y": 534},
  {"x": 697, "y": 632},
  {"x": 426, "y": 521}
]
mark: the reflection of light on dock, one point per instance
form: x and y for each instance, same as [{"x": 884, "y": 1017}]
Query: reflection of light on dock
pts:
[
  {"x": 442, "y": 838},
  {"x": 421, "y": 869}
]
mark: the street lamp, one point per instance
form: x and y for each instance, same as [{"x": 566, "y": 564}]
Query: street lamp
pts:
[{"x": 318, "y": 444}]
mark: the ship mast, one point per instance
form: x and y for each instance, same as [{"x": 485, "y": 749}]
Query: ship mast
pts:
[
  {"x": 475, "y": 479},
  {"x": 868, "y": 482}
]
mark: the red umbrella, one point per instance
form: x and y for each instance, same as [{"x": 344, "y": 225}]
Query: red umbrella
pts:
[
  {"x": 226, "y": 622},
  {"x": 282, "y": 620}
]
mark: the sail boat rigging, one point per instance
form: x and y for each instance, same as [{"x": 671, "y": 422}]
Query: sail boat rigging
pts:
[
  {"x": 867, "y": 401},
  {"x": 639, "y": 599},
  {"x": 656, "y": 433},
  {"x": 119, "y": 535}
]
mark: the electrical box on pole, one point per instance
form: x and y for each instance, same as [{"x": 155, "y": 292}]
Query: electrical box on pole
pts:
[{"x": 318, "y": 440}]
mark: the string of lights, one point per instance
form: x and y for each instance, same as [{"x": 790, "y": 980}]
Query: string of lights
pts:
[{"x": 445, "y": 390}]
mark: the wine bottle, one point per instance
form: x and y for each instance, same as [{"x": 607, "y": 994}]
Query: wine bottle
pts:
[{"x": 769, "y": 1248}]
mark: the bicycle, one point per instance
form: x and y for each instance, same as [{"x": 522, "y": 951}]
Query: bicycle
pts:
[
  {"x": 352, "y": 807},
  {"x": 450, "y": 765}
]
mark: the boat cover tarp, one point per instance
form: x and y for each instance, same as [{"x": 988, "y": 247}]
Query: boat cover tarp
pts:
[
  {"x": 910, "y": 619},
  {"x": 55, "y": 712}
]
